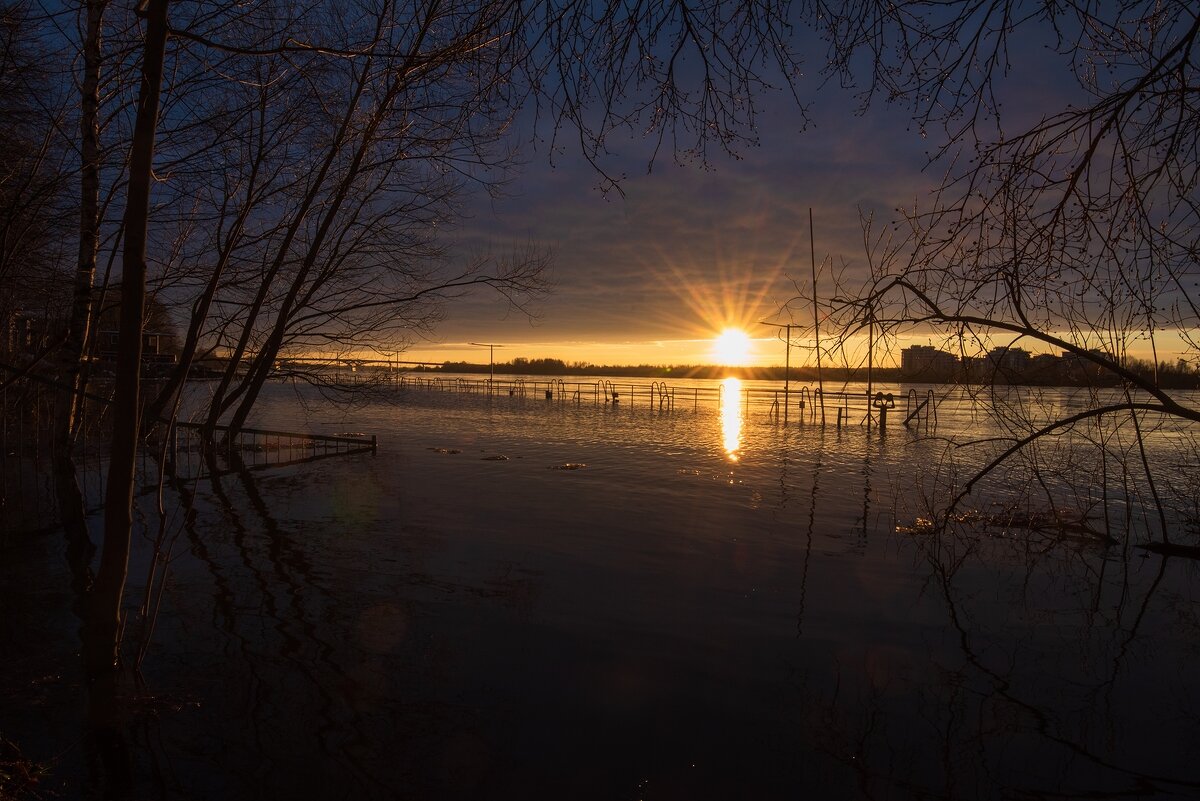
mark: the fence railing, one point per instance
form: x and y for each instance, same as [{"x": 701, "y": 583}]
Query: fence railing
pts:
[
  {"x": 804, "y": 405},
  {"x": 28, "y": 499}
]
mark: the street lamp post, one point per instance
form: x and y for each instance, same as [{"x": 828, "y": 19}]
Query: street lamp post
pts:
[{"x": 491, "y": 360}]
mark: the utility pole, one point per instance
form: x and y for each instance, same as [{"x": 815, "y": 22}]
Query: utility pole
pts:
[
  {"x": 870, "y": 356},
  {"x": 787, "y": 364},
  {"x": 812, "y": 252},
  {"x": 491, "y": 360}
]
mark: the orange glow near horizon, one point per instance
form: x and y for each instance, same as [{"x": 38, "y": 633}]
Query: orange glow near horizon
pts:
[
  {"x": 766, "y": 351},
  {"x": 729, "y": 290}
]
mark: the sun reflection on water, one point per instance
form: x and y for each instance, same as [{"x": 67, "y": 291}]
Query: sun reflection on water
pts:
[{"x": 731, "y": 417}]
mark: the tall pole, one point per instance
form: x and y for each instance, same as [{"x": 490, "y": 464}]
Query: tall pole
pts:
[
  {"x": 812, "y": 252},
  {"x": 787, "y": 364},
  {"x": 787, "y": 370},
  {"x": 491, "y": 360},
  {"x": 870, "y": 357}
]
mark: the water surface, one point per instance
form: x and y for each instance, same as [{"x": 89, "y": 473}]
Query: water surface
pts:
[{"x": 711, "y": 606}]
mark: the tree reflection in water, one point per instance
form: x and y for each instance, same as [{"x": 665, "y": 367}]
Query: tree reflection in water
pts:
[
  {"x": 663, "y": 622},
  {"x": 1054, "y": 681}
]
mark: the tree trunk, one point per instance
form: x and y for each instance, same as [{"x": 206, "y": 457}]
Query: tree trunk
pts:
[
  {"x": 67, "y": 412},
  {"x": 102, "y": 643}
]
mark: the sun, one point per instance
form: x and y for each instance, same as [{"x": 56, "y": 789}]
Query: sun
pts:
[{"x": 731, "y": 348}]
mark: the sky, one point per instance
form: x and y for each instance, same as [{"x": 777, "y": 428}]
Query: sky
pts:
[{"x": 653, "y": 274}]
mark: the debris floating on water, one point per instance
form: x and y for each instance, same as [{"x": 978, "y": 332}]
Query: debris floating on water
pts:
[
  {"x": 568, "y": 466},
  {"x": 445, "y": 450},
  {"x": 1064, "y": 526},
  {"x": 497, "y": 458}
]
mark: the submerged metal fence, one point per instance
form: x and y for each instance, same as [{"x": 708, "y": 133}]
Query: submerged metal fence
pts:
[
  {"x": 804, "y": 405},
  {"x": 189, "y": 455},
  {"x": 28, "y": 496}
]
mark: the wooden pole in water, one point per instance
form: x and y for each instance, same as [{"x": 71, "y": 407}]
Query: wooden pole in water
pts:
[{"x": 812, "y": 252}]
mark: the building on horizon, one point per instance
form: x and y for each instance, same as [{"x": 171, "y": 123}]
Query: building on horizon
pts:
[
  {"x": 927, "y": 362},
  {"x": 1081, "y": 370},
  {"x": 1003, "y": 364},
  {"x": 1008, "y": 360},
  {"x": 1045, "y": 368}
]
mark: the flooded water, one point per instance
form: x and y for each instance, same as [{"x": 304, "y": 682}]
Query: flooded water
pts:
[{"x": 634, "y": 604}]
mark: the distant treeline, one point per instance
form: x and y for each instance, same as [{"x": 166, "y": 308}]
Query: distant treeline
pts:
[
  {"x": 558, "y": 367},
  {"x": 1178, "y": 376}
]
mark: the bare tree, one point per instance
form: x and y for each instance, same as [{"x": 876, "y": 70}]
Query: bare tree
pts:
[
  {"x": 322, "y": 149},
  {"x": 357, "y": 251},
  {"x": 1077, "y": 230},
  {"x": 411, "y": 104},
  {"x": 34, "y": 176},
  {"x": 79, "y": 323},
  {"x": 102, "y": 642}
]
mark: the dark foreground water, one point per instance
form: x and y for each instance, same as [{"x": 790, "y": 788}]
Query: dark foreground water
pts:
[{"x": 708, "y": 609}]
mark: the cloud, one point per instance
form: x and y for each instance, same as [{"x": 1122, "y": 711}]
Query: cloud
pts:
[{"x": 687, "y": 250}]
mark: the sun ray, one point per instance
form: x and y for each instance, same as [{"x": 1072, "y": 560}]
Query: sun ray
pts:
[{"x": 725, "y": 293}]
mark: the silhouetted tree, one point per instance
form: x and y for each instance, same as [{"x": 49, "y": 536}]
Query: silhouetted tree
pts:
[
  {"x": 79, "y": 322},
  {"x": 34, "y": 176},
  {"x": 348, "y": 134},
  {"x": 1080, "y": 229},
  {"x": 101, "y": 649}
]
